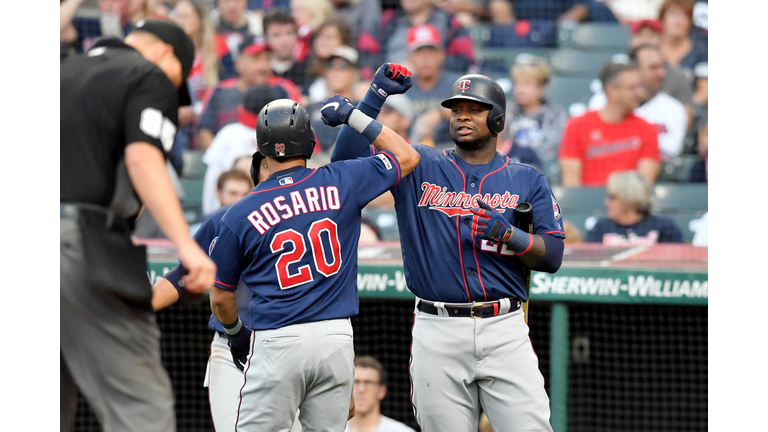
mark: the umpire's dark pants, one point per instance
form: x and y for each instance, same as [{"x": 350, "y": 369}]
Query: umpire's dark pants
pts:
[{"x": 110, "y": 350}]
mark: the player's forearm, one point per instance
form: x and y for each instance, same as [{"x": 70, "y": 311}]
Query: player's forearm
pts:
[
  {"x": 406, "y": 156},
  {"x": 148, "y": 173},
  {"x": 164, "y": 294},
  {"x": 224, "y": 305}
]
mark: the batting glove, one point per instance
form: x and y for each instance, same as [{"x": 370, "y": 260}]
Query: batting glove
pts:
[
  {"x": 391, "y": 79},
  {"x": 336, "y": 110},
  {"x": 489, "y": 224},
  {"x": 240, "y": 346}
]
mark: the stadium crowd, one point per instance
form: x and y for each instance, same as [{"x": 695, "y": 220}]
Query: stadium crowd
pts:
[{"x": 647, "y": 111}]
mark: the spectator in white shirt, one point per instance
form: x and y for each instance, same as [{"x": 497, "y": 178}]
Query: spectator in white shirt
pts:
[
  {"x": 235, "y": 140},
  {"x": 658, "y": 108},
  {"x": 370, "y": 389}
]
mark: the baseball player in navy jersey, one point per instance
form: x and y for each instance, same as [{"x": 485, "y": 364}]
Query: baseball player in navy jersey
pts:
[
  {"x": 464, "y": 260},
  {"x": 293, "y": 243}
]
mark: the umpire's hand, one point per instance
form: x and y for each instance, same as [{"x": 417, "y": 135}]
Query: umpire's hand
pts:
[
  {"x": 202, "y": 270},
  {"x": 391, "y": 79}
]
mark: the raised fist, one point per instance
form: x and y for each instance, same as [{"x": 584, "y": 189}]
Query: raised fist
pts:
[
  {"x": 390, "y": 79},
  {"x": 336, "y": 110}
]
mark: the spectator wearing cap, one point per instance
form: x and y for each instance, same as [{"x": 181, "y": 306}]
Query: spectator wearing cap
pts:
[
  {"x": 254, "y": 66},
  {"x": 235, "y": 23},
  {"x": 391, "y": 43},
  {"x": 656, "y": 107},
  {"x": 676, "y": 82},
  {"x": 340, "y": 75},
  {"x": 533, "y": 122},
  {"x": 677, "y": 46},
  {"x": 235, "y": 140},
  {"x": 431, "y": 83},
  {"x": 613, "y": 138},
  {"x": 282, "y": 36}
]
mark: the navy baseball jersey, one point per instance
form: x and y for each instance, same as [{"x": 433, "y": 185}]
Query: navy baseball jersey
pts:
[
  {"x": 441, "y": 258},
  {"x": 293, "y": 240},
  {"x": 651, "y": 229}
]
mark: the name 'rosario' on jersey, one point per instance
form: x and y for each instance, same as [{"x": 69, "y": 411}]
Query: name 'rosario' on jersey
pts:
[{"x": 298, "y": 202}]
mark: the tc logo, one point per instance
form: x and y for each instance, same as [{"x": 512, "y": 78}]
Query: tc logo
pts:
[
  {"x": 280, "y": 149},
  {"x": 464, "y": 85}
]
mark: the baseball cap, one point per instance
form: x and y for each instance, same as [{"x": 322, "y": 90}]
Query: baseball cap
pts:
[
  {"x": 423, "y": 35},
  {"x": 636, "y": 26},
  {"x": 183, "y": 49},
  {"x": 345, "y": 52},
  {"x": 252, "y": 46},
  {"x": 400, "y": 104}
]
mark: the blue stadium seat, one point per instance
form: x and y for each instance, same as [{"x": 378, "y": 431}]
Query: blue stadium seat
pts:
[
  {"x": 568, "y": 90},
  {"x": 499, "y": 60},
  {"x": 596, "y": 36},
  {"x": 584, "y": 200},
  {"x": 194, "y": 167},
  {"x": 681, "y": 198},
  {"x": 580, "y": 63}
]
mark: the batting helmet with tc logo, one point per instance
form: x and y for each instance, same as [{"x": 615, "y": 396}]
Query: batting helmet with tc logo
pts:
[{"x": 480, "y": 88}]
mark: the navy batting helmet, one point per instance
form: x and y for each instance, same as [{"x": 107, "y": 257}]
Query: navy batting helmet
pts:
[
  {"x": 480, "y": 88},
  {"x": 283, "y": 130}
]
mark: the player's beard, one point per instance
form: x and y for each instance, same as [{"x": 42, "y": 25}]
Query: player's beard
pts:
[{"x": 476, "y": 144}]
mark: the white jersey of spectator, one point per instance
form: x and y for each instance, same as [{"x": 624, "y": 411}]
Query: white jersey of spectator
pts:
[
  {"x": 387, "y": 425},
  {"x": 701, "y": 231},
  {"x": 663, "y": 111},
  {"x": 232, "y": 141}
]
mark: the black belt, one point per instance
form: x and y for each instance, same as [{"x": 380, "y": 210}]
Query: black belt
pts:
[
  {"x": 472, "y": 310},
  {"x": 95, "y": 213}
]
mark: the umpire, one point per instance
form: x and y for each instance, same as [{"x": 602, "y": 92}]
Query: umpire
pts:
[{"x": 119, "y": 114}]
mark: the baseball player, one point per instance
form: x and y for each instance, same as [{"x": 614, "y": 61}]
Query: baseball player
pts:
[
  {"x": 464, "y": 260},
  {"x": 293, "y": 243}
]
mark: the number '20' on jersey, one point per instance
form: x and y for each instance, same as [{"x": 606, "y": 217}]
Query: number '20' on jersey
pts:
[{"x": 293, "y": 240}]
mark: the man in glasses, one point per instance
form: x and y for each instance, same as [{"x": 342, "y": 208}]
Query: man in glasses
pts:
[{"x": 370, "y": 389}]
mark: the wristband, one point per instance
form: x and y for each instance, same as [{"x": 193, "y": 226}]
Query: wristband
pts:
[
  {"x": 520, "y": 241},
  {"x": 234, "y": 327},
  {"x": 371, "y": 103},
  {"x": 367, "y": 126}
]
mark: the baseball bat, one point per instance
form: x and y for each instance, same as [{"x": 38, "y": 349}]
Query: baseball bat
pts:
[{"x": 524, "y": 221}]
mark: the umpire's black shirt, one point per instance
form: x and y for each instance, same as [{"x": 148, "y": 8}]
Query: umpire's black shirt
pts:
[{"x": 110, "y": 97}]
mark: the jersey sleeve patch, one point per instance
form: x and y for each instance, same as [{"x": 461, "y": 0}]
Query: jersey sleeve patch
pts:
[
  {"x": 556, "y": 208},
  {"x": 385, "y": 159}
]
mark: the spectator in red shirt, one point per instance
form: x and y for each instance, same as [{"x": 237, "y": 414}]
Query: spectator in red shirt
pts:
[
  {"x": 613, "y": 138},
  {"x": 254, "y": 66}
]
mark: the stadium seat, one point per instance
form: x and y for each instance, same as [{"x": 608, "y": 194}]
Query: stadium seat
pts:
[
  {"x": 594, "y": 36},
  {"x": 580, "y": 200},
  {"x": 193, "y": 191},
  {"x": 681, "y": 198},
  {"x": 384, "y": 221},
  {"x": 499, "y": 60},
  {"x": 683, "y": 221},
  {"x": 677, "y": 169},
  {"x": 194, "y": 167},
  {"x": 568, "y": 90},
  {"x": 580, "y": 63}
]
